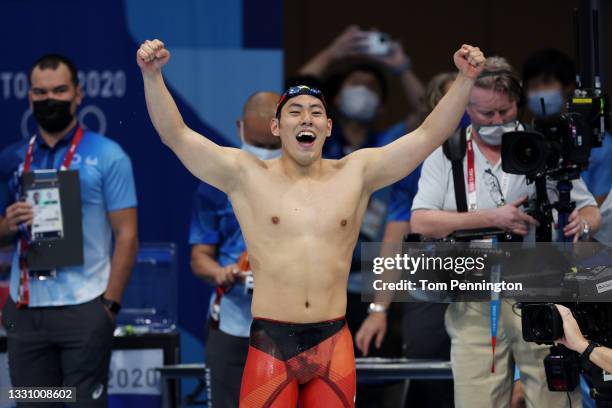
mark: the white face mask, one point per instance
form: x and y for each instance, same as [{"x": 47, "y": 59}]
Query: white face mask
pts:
[
  {"x": 492, "y": 134},
  {"x": 358, "y": 102},
  {"x": 259, "y": 152}
]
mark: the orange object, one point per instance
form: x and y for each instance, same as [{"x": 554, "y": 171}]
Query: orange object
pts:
[{"x": 243, "y": 262}]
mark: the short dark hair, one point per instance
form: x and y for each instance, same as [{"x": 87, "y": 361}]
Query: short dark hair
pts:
[
  {"x": 550, "y": 63},
  {"x": 52, "y": 61}
]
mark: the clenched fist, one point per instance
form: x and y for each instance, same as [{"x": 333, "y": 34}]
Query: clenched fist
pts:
[
  {"x": 469, "y": 61},
  {"x": 152, "y": 55}
]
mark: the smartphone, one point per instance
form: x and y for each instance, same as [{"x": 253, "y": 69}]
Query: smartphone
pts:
[{"x": 378, "y": 43}]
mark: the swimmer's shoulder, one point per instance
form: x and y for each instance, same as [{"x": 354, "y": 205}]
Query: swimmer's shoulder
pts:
[
  {"x": 255, "y": 162},
  {"x": 347, "y": 162}
]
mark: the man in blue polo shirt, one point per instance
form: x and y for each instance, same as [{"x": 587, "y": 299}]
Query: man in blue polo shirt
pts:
[
  {"x": 217, "y": 248},
  {"x": 60, "y": 329}
]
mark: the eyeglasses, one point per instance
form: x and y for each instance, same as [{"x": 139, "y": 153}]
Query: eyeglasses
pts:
[
  {"x": 494, "y": 188},
  {"x": 296, "y": 91}
]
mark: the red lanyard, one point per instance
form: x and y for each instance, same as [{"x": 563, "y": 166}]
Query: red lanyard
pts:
[
  {"x": 471, "y": 172},
  {"x": 471, "y": 176},
  {"x": 23, "y": 292},
  {"x": 69, "y": 154}
]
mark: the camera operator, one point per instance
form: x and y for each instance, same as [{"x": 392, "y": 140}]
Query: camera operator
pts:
[
  {"x": 549, "y": 77},
  {"x": 574, "y": 340},
  {"x": 494, "y": 201}
]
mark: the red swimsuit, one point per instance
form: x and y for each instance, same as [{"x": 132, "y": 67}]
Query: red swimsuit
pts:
[{"x": 312, "y": 362}]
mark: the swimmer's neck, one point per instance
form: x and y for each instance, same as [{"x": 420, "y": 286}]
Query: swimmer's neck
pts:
[{"x": 294, "y": 170}]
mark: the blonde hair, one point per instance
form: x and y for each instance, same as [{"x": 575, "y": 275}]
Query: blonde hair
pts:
[
  {"x": 435, "y": 89},
  {"x": 505, "y": 82}
]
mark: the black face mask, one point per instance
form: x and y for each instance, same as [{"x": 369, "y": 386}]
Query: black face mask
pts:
[{"x": 52, "y": 115}]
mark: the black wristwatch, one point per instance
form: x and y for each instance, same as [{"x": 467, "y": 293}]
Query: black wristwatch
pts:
[
  {"x": 111, "y": 305},
  {"x": 584, "y": 357}
]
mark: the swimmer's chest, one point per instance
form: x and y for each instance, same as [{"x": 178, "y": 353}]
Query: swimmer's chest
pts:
[{"x": 309, "y": 207}]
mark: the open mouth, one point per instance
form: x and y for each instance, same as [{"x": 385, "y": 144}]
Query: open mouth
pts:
[{"x": 306, "y": 138}]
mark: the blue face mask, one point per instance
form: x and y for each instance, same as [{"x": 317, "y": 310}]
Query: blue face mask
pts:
[{"x": 553, "y": 102}]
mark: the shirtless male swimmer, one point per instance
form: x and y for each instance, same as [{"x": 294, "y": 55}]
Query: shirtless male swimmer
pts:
[{"x": 300, "y": 217}]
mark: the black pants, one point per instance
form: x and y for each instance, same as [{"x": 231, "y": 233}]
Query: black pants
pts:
[
  {"x": 63, "y": 346},
  {"x": 225, "y": 358},
  {"x": 424, "y": 336}
]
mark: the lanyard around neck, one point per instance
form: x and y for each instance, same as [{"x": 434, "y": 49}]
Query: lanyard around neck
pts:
[
  {"x": 69, "y": 154},
  {"x": 471, "y": 174}
]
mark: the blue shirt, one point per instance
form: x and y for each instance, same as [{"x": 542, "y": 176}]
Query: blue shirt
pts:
[
  {"x": 213, "y": 223},
  {"x": 598, "y": 177},
  {"x": 107, "y": 184},
  {"x": 402, "y": 195}
]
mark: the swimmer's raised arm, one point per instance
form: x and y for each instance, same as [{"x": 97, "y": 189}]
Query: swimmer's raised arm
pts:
[
  {"x": 216, "y": 165},
  {"x": 390, "y": 163}
]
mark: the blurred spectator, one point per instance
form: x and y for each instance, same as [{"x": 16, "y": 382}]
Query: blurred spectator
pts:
[
  {"x": 549, "y": 77},
  {"x": 357, "y": 94}
]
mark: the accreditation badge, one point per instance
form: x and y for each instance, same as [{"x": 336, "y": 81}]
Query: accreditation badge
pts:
[
  {"x": 47, "y": 207},
  {"x": 56, "y": 235}
]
